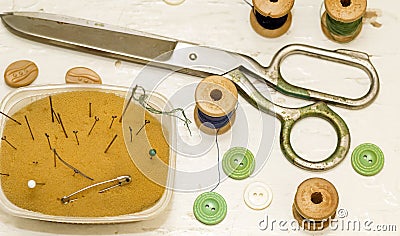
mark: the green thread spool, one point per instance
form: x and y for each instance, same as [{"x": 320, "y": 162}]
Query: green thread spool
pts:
[
  {"x": 342, "y": 21},
  {"x": 341, "y": 28}
]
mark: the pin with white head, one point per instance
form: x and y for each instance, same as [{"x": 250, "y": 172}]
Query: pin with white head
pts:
[{"x": 32, "y": 184}]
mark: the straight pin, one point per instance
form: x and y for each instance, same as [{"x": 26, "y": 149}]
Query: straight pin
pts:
[
  {"x": 9, "y": 117},
  {"x": 4, "y": 138},
  {"x": 55, "y": 158},
  {"x": 109, "y": 145},
  {"x": 51, "y": 109},
  {"x": 58, "y": 120},
  {"x": 130, "y": 130},
  {"x": 90, "y": 109},
  {"x": 62, "y": 125},
  {"x": 4, "y": 174},
  {"x": 29, "y": 126},
  {"x": 48, "y": 140},
  {"x": 76, "y": 136},
  {"x": 95, "y": 121},
  {"x": 32, "y": 183},
  {"x": 112, "y": 121},
  {"x": 145, "y": 123},
  {"x": 76, "y": 171}
]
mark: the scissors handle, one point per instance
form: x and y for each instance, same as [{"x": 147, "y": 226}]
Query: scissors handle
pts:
[
  {"x": 352, "y": 58},
  {"x": 290, "y": 116}
]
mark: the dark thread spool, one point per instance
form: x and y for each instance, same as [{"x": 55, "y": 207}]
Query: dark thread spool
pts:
[
  {"x": 216, "y": 102},
  {"x": 271, "y": 18},
  {"x": 342, "y": 20}
]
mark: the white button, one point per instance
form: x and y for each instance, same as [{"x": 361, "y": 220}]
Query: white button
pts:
[{"x": 257, "y": 195}]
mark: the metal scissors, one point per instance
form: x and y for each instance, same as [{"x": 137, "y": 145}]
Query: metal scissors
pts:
[{"x": 140, "y": 47}]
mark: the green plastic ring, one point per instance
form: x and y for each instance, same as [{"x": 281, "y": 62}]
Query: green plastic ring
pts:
[
  {"x": 367, "y": 159},
  {"x": 209, "y": 208},
  {"x": 238, "y": 163}
]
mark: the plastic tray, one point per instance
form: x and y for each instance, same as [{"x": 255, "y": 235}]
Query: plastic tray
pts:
[{"x": 24, "y": 96}]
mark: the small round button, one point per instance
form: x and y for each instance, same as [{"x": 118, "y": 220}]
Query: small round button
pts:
[
  {"x": 238, "y": 163},
  {"x": 367, "y": 159},
  {"x": 209, "y": 208},
  {"x": 257, "y": 196}
]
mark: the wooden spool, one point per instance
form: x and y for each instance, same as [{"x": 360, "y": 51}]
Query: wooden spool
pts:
[
  {"x": 215, "y": 96},
  {"x": 273, "y": 9},
  {"x": 345, "y": 11},
  {"x": 315, "y": 203}
]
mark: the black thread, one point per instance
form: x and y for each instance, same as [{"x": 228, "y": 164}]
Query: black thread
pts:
[
  {"x": 270, "y": 23},
  {"x": 219, "y": 172}
]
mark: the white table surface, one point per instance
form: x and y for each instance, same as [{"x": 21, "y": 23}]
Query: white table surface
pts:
[{"x": 225, "y": 24}]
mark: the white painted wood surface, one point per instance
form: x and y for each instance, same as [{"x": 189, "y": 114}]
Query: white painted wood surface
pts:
[{"x": 225, "y": 24}]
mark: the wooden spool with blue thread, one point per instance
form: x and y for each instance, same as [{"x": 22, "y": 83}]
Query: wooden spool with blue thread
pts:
[
  {"x": 271, "y": 18},
  {"x": 216, "y": 101},
  {"x": 346, "y": 14}
]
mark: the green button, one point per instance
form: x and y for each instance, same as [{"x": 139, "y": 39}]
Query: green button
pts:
[
  {"x": 238, "y": 163},
  {"x": 209, "y": 208},
  {"x": 367, "y": 159}
]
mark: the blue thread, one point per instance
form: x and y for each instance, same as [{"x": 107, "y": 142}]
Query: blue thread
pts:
[
  {"x": 219, "y": 172},
  {"x": 214, "y": 122}
]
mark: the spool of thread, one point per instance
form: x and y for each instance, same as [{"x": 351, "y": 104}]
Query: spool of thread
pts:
[
  {"x": 216, "y": 100},
  {"x": 342, "y": 20},
  {"x": 271, "y": 18},
  {"x": 315, "y": 203}
]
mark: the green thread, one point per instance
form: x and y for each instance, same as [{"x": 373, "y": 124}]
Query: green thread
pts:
[
  {"x": 341, "y": 28},
  {"x": 142, "y": 100}
]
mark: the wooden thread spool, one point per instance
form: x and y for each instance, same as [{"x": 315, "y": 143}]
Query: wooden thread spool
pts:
[
  {"x": 216, "y": 100},
  {"x": 343, "y": 15},
  {"x": 271, "y": 18},
  {"x": 315, "y": 203}
]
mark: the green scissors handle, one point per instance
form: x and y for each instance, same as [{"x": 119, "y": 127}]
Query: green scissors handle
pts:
[{"x": 290, "y": 116}]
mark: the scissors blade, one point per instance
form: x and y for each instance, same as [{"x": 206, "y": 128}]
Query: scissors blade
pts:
[
  {"x": 73, "y": 32},
  {"x": 118, "y": 42}
]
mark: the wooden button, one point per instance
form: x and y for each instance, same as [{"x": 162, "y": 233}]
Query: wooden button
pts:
[
  {"x": 316, "y": 199},
  {"x": 267, "y": 32},
  {"x": 216, "y": 96},
  {"x": 273, "y": 8},
  {"x": 346, "y": 10},
  {"x": 21, "y": 73},
  {"x": 82, "y": 75}
]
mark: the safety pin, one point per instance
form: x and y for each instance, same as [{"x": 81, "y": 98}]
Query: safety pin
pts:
[{"x": 122, "y": 180}]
